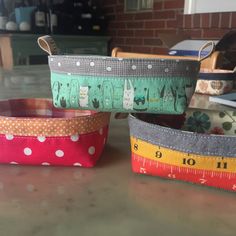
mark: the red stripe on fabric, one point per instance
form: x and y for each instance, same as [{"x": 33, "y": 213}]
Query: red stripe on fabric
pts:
[{"x": 223, "y": 180}]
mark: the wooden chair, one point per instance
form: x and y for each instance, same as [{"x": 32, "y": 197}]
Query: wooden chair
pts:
[{"x": 212, "y": 62}]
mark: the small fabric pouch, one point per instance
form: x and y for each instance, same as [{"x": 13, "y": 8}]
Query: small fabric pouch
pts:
[
  {"x": 215, "y": 82},
  {"x": 33, "y": 132},
  {"x": 172, "y": 153}
]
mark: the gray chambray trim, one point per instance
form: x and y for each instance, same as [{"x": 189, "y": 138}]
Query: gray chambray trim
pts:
[
  {"x": 111, "y": 66},
  {"x": 188, "y": 142}
]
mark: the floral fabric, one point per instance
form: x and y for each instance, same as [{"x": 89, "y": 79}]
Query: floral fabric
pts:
[
  {"x": 214, "y": 87},
  {"x": 210, "y": 122}
]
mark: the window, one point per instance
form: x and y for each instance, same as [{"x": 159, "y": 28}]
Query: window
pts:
[
  {"x": 206, "y": 6},
  {"x": 138, "y": 5}
]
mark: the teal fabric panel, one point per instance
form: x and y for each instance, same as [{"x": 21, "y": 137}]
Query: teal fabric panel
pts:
[{"x": 122, "y": 94}]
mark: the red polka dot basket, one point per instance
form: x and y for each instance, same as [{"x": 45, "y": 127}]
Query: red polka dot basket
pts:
[{"x": 33, "y": 132}]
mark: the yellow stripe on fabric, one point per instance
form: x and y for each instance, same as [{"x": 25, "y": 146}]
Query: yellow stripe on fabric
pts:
[{"x": 181, "y": 159}]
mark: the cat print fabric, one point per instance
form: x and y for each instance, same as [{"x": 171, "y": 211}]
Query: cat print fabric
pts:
[
  {"x": 74, "y": 93},
  {"x": 56, "y": 93},
  {"x": 95, "y": 97},
  {"x": 83, "y": 96},
  {"x": 128, "y": 97},
  {"x": 61, "y": 92},
  {"x": 107, "y": 94},
  {"x": 117, "y": 93},
  {"x": 141, "y": 98},
  {"x": 122, "y": 95},
  {"x": 113, "y": 84}
]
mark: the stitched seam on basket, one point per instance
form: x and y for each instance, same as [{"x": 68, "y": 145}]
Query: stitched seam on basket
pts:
[
  {"x": 133, "y": 77},
  {"x": 87, "y": 128},
  {"x": 52, "y": 137},
  {"x": 192, "y": 154},
  {"x": 112, "y": 59},
  {"x": 182, "y": 149},
  {"x": 181, "y": 136}
]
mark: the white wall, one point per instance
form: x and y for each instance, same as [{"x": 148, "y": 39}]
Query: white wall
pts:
[{"x": 204, "y": 6}]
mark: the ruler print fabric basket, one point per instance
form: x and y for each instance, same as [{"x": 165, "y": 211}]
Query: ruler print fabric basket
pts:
[
  {"x": 110, "y": 84},
  {"x": 33, "y": 132},
  {"x": 175, "y": 154}
]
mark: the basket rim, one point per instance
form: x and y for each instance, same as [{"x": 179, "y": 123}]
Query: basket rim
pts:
[
  {"x": 48, "y": 126},
  {"x": 117, "y": 59},
  {"x": 123, "y": 67},
  {"x": 184, "y": 141}
]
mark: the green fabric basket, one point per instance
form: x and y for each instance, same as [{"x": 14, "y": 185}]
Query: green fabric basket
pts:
[{"x": 111, "y": 84}]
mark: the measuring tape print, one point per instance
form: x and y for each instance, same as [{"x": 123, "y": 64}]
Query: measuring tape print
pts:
[{"x": 159, "y": 161}]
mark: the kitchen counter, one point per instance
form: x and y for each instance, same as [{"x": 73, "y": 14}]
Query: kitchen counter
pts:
[{"x": 106, "y": 200}]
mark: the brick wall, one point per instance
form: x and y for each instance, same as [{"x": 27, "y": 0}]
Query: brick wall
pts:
[{"x": 139, "y": 32}]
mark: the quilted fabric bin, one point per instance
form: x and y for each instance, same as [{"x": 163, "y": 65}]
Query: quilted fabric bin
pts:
[
  {"x": 215, "y": 82},
  {"x": 110, "y": 84},
  {"x": 33, "y": 132},
  {"x": 175, "y": 154}
]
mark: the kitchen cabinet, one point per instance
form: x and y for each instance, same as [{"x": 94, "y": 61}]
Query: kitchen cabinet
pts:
[{"x": 22, "y": 49}]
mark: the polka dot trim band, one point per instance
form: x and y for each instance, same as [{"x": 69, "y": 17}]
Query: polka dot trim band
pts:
[
  {"x": 37, "y": 117},
  {"x": 112, "y": 66}
]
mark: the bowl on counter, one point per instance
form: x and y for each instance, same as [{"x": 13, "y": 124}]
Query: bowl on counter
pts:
[{"x": 33, "y": 132}]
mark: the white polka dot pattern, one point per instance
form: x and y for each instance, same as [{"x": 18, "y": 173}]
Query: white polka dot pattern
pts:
[
  {"x": 77, "y": 164},
  {"x": 45, "y": 164},
  {"x": 9, "y": 136},
  {"x": 123, "y": 66},
  {"x": 41, "y": 139},
  {"x": 71, "y": 150},
  {"x": 91, "y": 150},
  {"x": 27, "y": 151},
  {"x": 47, "y": 127},
  {"x": 108, "y": 68},
  {"x": 74, "y": 138},
  {"x": 59, "y": 153},
  {"x": 13, "y": 163},
  {"x": 101, "y": 131}
]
